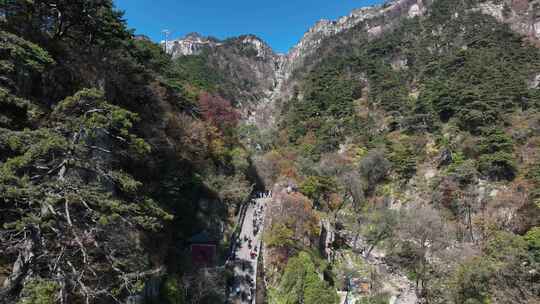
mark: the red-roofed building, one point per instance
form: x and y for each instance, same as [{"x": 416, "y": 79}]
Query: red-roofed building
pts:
[{"x": 203, "y": 250}]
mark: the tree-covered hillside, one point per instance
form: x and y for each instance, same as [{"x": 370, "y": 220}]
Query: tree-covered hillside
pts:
[
  {"x": 401, "y": 152},
  {"x": 110, "y": 160},
  {"x": 420, "y": 142}
]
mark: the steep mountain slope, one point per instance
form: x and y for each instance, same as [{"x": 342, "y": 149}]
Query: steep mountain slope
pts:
[
  {"x": 108, "y": 166},
  {"x": 400, "y": 143},
  {"x": 401, "y": 127},
  {"x": 373, "y": 20},
  {"x": 246, "y": 65},
  {"x": 522, "y": 16}
]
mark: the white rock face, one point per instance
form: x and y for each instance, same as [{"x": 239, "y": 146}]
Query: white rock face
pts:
[
  {"x": 194, "y": 43},
  {"x": 399, "y": 63},
  {"x": 536, "y": 29},
  {"x": 312, "y": 39},
  {"x": 415, "y": 11},
  {"x": 326, "y": 28},
  {"x": 535, "y": 82},
  {"x": 375, "y": 31},
  {"x": 521, "y": 20},
  {"x": 375, "y": 21},
  {"x": 430, "y": 173},
  {"x": 263, "y": 50},
  {"x": 492, "y": 9},
  {"x": 190, "y": 45}
]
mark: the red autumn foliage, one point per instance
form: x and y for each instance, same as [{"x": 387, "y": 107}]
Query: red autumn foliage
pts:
[
  {"x": 520, "y": 5},
  {"x": 218, "y": 111}
]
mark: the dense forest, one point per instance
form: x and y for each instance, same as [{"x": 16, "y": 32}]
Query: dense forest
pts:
[
  {"x": 404, "y": 166},
  {"x": 111, "y": 156},
  {"x": 397, "y": 138}
]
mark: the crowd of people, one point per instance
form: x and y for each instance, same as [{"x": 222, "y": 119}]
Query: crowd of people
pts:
[
  {"x": 257, "y": 222},
  {"x": 257, "y": 219},
  {"x": 246, "y": 245}
]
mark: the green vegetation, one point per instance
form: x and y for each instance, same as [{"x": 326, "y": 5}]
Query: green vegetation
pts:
[
  {"x": 473, "y": 282},
  {"x": 318, "y": 188},
  {"x": 434, "y": 117},
  {"x": 280, "y": 236},
  {"x": 301, "y": 283},
  {"x": 39, "y": 292},
  {"x": 474, "y": 82},
  {"x": 480, "y": 279},
  {"x": 172, "y": 291},
  {"x": 325, "y": 110},
  {"x": 193, "y": 70},
  {"x": 533, "y": 242},
  {"x": 403, "y": 159},
  {"x": 422, "y": 141},
  {"x": 111, "y": 154},
  {"x": 378, "y": 299},
  {"x": 379, "y": 225},
  {"x": 496, "y": 160}
]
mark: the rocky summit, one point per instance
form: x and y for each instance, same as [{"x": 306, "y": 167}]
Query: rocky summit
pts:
[{"x": 391, "y": 156}]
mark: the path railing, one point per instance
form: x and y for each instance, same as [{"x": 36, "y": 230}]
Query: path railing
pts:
[{"x": 252, "y": 231}]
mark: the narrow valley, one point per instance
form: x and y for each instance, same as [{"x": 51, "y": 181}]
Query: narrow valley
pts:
[{"x": 391, "y": 156}]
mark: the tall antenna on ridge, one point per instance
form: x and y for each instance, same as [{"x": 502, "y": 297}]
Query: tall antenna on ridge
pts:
[{"x": 166, "y": 33}]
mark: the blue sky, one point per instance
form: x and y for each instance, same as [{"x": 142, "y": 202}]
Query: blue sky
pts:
[{"x": 281, "y": 23}]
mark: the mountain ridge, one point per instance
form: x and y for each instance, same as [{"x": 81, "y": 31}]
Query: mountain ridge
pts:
[
  {"x": 193, "y": 43},
  {"x": 400, "y": 145},
  {"x": 519, "y": 14},
  {"x": 373, "y": 21}
]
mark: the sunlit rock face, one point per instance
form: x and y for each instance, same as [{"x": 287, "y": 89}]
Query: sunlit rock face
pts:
[
  {"x": 194, "y": 43},
  {"x": 191, "y": 44},
  {"x": 372, "y": 17},
  {"x": 262, "y": 49},
  {"x": 373, "y": 20},
  {"x": 268, "y": 77},
  {"x": 523, "y": 16}
]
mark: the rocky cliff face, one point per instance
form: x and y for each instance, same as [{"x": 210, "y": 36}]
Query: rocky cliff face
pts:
[
  {"x": 265, "y": 76},
  {"x": 371, "y": 20},
  {"x": 247, "y": 64},
  {"x": 374, "y": 20},
  {"x": 523, "y": 16},
  {"x": 194, "y": 44},
  {"x": 191, "y": 44}
]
